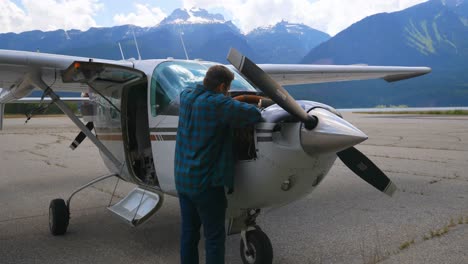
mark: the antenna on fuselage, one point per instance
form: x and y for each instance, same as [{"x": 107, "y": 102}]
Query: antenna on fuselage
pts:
[
  {"x": 121, "y": 52},
  {"x": 136, "y": 44},
  {"x": 183, "y": 45}
]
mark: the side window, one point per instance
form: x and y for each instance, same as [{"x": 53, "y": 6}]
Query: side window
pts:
[
  {"x": 159, "y": 99},
  {"x": 172, "y": 77},
  {"x": 169, "y": 79}
]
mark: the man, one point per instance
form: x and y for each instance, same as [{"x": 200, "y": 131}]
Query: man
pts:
[{"x": 204, "y": 161}]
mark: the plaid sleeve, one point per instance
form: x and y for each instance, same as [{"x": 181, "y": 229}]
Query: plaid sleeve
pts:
[{"x": 237, "y": 114}]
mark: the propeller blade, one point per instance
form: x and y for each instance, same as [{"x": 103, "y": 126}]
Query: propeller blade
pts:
[
  {"x": 81, "y": 136},
  {"x": 367, "y": 170},
  {"x": 271, "y": 88}
]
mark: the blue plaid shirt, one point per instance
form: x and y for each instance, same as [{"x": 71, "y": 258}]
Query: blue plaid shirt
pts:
[{"x": 204, "y": 146}]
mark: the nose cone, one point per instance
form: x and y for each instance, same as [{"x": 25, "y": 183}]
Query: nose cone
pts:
[{"x": 332, "y": 134}]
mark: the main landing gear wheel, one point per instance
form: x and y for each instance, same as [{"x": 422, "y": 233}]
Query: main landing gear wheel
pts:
[
  {"x": 58, "y": 217},
  {"x": 259, "y": 249}
]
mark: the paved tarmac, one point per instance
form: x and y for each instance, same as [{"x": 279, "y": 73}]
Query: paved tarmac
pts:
[{"x": 343, "y": 221}]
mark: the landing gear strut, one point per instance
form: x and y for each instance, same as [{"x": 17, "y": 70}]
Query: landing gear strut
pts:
[
  {"x": 59, "y": 211},
  {"x": 255, "y": 246}
]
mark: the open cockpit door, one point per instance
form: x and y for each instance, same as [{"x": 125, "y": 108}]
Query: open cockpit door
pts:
[
  {"x": 118, "y": 98},
  {"x": 91, "y": 72}
]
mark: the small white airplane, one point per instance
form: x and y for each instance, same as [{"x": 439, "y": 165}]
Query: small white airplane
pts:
[{"x": 133, "y": 109}]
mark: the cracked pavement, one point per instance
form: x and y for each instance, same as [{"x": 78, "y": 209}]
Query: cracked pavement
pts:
[{"x": 343, "y": 221}]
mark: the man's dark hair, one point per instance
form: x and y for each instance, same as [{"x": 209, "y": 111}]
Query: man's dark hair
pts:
[{"x": 217, "y": 75}]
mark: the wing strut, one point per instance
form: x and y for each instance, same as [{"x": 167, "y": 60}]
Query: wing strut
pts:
[{"x": 65, "y": 109}]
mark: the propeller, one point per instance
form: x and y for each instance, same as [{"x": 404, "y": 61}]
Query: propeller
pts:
[
  {"x": 351, "y": 157},
  {"x": 271, "y": 88},
  {"x": 367, "y": 170}
]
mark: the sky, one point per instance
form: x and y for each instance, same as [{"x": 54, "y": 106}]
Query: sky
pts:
[{"x": 330, "y": 16}]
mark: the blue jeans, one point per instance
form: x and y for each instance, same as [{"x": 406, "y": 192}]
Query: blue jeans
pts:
[{"x": 207, "y": 208}]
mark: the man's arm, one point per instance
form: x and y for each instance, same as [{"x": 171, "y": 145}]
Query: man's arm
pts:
[{"x": 238, "y": 114}]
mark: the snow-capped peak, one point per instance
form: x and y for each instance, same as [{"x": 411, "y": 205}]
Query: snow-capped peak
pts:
[
  {"x": 283, "y": 26},
  {"x": 192, "y": 16}
]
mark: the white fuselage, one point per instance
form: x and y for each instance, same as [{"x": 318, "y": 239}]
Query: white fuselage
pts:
[{"x": 282, "y": 169}]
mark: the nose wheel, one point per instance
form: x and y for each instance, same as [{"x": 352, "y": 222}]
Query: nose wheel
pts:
[{"x": 255, "y": 247}]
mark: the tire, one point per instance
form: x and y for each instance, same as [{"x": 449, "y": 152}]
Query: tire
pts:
[
  {"x": 59, "y": 217},
  {"x": 260, "y": 246}
]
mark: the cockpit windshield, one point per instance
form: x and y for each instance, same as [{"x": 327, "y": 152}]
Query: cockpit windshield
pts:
[{"x": 172, "y": 77}]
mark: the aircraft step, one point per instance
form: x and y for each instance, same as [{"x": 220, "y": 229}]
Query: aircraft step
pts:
[{"x": 138, "y": 206}]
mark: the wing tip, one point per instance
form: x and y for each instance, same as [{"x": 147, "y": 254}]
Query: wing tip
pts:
[{"x": 404, "y": 76}]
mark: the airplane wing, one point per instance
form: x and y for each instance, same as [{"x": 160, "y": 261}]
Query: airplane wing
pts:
[
  {"x": 17, "y": 66},
  {"x": 291, "y": 74}
]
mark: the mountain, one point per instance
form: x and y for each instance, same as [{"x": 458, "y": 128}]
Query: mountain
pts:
[
  {"x": 206, "y": 36},
  {"x": 426, "y": 33},
  {"x": 284, "y": 42},
  {"x": 54, "y": 41},
  {"x": 434, "y": 34},
  {"x": 192, "y": 16}
]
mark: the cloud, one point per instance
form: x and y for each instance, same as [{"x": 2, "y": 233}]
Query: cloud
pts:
[
  {"x": 48, "y": 15},
  {"x": 145, "y": 16},
  {"x": 330, "y": 16},
  {"x": 11, "y": 18}
]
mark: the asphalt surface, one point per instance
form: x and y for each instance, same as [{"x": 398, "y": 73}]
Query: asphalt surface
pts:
[{"x": 343, "y": 221}]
